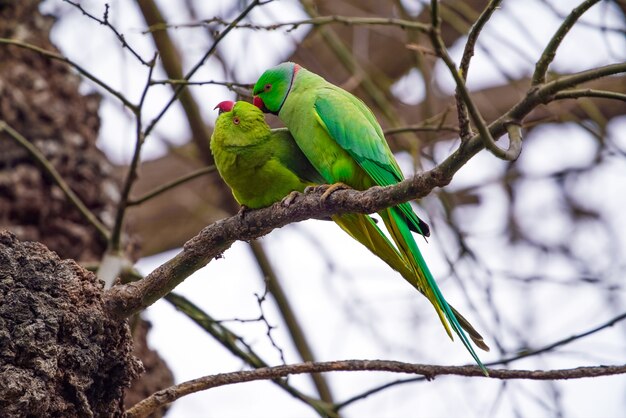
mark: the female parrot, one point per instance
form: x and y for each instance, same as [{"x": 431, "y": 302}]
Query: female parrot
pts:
[
  {"x": 263, "y": 166},
  {"x": 341, "y": 138},
  {"x": 259, "y": 165}
]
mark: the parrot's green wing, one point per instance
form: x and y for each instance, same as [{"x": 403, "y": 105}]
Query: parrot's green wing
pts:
[
  {"x": 352, "y": 125},
  {"x": 290, "y": 156},
  {"x": 357, "y": 132}
]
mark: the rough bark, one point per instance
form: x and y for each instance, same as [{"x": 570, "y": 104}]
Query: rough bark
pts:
[
  {"x": 40, "y": 98},
  {"x": 60, "y": 354},
  {"x": 156, "y": 373}
]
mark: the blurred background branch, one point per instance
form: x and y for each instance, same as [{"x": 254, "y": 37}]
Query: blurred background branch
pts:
[
  {"x": 171, "y": 394},
  {"x": 532, "y": 247}
]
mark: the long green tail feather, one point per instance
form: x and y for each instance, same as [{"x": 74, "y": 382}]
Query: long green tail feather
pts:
[
  {"x": 471, "y": 331},
  {"x": 408, "y": 248},
  {"x": 363, "y": 229}
]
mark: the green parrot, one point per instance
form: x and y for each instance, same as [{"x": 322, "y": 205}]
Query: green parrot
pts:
[
  {"x": 263, "y": 166},
  {"x": 341, "y": 138}
]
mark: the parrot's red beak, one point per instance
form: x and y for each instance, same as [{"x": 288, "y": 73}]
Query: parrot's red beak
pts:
[
  {"x": 225, "y": 106},
  {"x": 258, "y": 102}
]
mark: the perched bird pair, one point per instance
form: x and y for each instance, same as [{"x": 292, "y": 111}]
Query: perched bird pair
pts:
[{"x": 332, "y": 138}]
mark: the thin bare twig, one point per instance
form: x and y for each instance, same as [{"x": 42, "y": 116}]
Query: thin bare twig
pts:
[
  {"x": 77, "y": 67},
  {"x": 420, "y": 127},
  {"x": 294, "y": 327},
  {"x": 601, "y": 94},
  {"x": 269, "y": 328},
  {"x": 479, "y": 122},
  {"x": 562, "y": 342},
  {"x": 229, "y": 84},
  {"x": 521, "y": 355},
  {"x": 468, "y": 53},
  {"x": 239, "y": 348},
  {"x": 201, "y": 62},
  {"x": 314, "y": 21},
  {"x": 548, "y": 54},
  {"x": 172, "y": 184},
  {"x": 173, "y": 67},
  {"x": 131, "y": 176},
  {"x": 105, "y": 21},
  {"x": 56, "y": 177},
  {"x": 242, "y": 89},
  {"x": 165, "y": 396}
]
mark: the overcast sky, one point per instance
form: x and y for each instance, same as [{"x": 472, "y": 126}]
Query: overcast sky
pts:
[{"x": 349, "y": 302}]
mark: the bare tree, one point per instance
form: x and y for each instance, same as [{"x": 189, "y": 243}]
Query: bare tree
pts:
[{"x": 520, "y": 225}]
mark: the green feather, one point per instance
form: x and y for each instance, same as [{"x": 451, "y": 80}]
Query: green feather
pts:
[
  {"x": 363, "y": 229},
  {"x": 260, "y": 166},
  {"x": 341, "y": 138},
  {"x": 431, "y": 287}
]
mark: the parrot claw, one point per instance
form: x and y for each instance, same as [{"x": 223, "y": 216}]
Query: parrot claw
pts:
[
  {"x": 330, "y": 189},
  {"x": 289, "y": 199},
  {"x": 242, "y": 212}
]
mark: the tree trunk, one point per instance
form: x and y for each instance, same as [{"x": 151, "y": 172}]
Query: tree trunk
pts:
[
  {"x": 60, "y": 354},
  {"x": 40, "y": 99}
]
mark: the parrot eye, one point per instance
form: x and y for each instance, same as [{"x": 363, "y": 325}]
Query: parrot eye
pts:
[
  {"x": 267, "y": 87},
  {"x": 236, "y": 120}
]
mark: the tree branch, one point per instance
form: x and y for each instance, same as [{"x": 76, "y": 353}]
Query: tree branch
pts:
[
  {"x": 163, "y": 397},
  {"x": 80, "y": 69},
  {"x": 463, "y": 92},
  {"x": 577, "y": 94},
  {"x": 131, "y": 176},
  {"x": 123, "y": 301},
  {"x": 57, "y": 178},
  {"x": 126, "y": 300},
  {"x": 523, "y": 354},
  {"x": 241, "y": 89},
  {"x": 236, "y": 345},
  {"x": 314, "y": 21},
  {"x": 468, "y": 53},
  {"x": 105, "y": 21},
  {"x": 548, "y": 54},
  {"x": 290, "y": 318},
  {"x": 172, "y": 184},
  {"x": 546, "y": 92}
]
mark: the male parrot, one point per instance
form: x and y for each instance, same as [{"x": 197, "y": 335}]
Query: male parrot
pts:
[
  {"x": 341, "y": 138},
  {"x": 263, "y": 166}
]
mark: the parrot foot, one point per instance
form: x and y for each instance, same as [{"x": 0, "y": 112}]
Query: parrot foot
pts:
[
  {"x": 289, "y": 199},
  {"x": 330, "y": 189},
  {"x": 242, "y": 212}
]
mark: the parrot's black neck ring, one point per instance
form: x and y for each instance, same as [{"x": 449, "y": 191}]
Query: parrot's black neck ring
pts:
[{"x": 296, "y": 67}]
